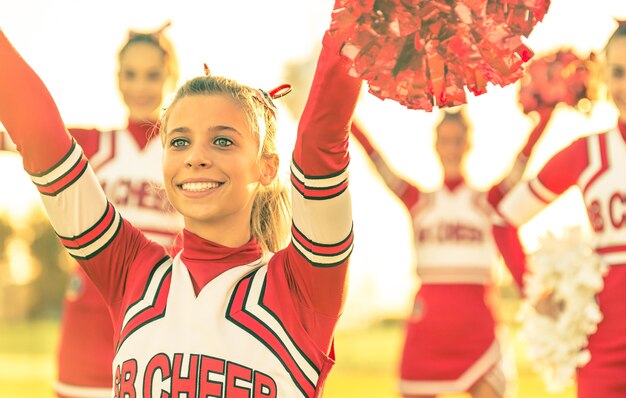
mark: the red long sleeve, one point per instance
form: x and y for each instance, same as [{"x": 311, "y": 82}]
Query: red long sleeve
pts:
[
  {"x": 509, "y": 245},
  {"x": 322, "y": 145},
  {"x": 29, "y": 113}
]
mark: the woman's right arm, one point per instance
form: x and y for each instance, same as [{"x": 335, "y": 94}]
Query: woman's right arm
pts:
[
  {"x": 404, "y": 190},
  {"x": 87, "y": 224},
  {"x": 528, "y": 198}
]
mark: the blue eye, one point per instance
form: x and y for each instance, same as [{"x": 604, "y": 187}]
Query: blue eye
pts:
[
  {"x": 223, "y": 142},
  {"x": 179, "y": 142}
]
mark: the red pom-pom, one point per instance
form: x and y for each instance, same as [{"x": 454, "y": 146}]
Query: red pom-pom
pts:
[
  {"x": 424, "y": 53},
  {"x": 559, "y": 77}
]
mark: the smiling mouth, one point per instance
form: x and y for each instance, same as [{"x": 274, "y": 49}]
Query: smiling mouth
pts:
[{"x": 199, "y": 186}]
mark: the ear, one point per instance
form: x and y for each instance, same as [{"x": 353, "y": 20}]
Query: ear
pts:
[{"x": 268, "y": 166}]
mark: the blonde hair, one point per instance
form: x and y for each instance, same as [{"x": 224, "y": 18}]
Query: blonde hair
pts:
[
  {"x": 271, "y": 209},
  {"x": 159, "y": 40}
]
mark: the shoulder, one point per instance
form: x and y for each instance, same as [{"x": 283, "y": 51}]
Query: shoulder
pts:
[{"x": 88, "y": 139}]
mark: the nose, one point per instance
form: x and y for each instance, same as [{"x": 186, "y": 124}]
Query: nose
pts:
[{"x": 198, "y": 158}]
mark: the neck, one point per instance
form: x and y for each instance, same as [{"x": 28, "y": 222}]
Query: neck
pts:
[{"x": 229, "y": 234}]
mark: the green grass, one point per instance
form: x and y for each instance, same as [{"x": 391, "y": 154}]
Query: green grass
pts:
[
  {"x": 366, "y": 363},
  {"x": 27, "y": 359}
]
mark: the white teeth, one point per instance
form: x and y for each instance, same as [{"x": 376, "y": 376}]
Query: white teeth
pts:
[{"x": 199, "y": 186}]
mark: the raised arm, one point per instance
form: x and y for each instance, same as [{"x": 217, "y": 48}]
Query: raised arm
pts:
[
  {"x": 316, "y": 259},
  {"x": 519, "y": 167},
  {"x": 29, "y": 114},
  {"x": 408, "y": 193},
  {"x": 87, "y": 225}
]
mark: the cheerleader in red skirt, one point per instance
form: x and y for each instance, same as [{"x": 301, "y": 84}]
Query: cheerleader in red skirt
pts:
[{"x": 450, "y": 343}]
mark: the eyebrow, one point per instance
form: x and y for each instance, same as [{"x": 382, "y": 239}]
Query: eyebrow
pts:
[{"x": 218, "y": 128}]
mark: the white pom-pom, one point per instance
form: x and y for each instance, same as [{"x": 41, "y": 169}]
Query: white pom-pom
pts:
[{"x": 568, "y": 268}]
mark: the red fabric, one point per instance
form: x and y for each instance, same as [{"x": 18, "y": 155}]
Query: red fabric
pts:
[
  {"x": 438, "y": 311},
  {"x": 574, "y": 159},
  {"x": 142, "y": 131},
  {"x": 85, "y": 351},
  {"x": 41, "y": 140},
  {"x": 326, "y": 119},
  {"x": 453, "y": 183},
  {"x": 206, "y": 260},
  {"x": 603, "y": 376},
  {"x": 509, "y": 245}
]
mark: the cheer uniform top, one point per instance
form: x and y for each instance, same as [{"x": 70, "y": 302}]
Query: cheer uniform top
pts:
[
  {"x": 450, "y": 342},
  {"x": 273, "y": 319},
  {"x": 597, "y": 166}
]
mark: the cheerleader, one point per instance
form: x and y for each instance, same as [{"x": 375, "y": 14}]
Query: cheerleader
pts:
[
  {"x": 596, "y": 164},
  {"x": 450, "y": 344},
  {"x": 225, "y": 316},
  {"x": 148, "y": 69}
]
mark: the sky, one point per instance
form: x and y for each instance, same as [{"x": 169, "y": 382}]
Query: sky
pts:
[{"x": 72, "y": 44}]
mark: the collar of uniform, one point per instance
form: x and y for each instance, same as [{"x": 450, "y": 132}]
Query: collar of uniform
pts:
[
  {"x": 142, "y": 131},
  {"x": 206, "y": 260},
  {"x": 196, "y": 248},
  {"x": 453, "y": 183}
]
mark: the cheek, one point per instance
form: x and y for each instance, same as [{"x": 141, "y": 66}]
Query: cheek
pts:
[
  {"x": 169, "y": 166},
  {"x": 157, "y": 87},
  {"x": 123, "y": 86}
]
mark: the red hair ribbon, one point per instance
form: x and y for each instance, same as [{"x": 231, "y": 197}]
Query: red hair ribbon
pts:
[{"x": 266, "y": 97}]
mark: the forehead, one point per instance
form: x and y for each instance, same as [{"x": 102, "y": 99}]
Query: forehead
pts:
[
  {"x": 616, "y": 49},
  {"x": 207, "y": 110},
  {"x": 142, "y": 56}
]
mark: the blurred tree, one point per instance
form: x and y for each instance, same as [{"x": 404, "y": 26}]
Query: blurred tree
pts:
[
  {"x": 6, "y": 231},
  {"x": 53, "y": 263}
]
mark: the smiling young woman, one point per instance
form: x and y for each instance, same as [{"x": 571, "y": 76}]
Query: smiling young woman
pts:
[{"x": 235, "y": 302}]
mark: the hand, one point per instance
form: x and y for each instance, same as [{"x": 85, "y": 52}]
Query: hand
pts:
[{"x": 548, "y": 306}]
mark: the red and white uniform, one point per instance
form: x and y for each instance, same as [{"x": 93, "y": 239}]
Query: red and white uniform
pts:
[
  {"x": 126, "y": 163},
  {"x": 597, "y": 166},
  {"x": 255, "y": 327},
  {"x": 450, "y": 340}
]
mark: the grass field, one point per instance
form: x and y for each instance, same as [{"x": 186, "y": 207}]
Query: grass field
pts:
[
  {"x": 366, "y": 365},
  {"x": 366, "y": 362}
]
